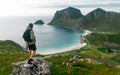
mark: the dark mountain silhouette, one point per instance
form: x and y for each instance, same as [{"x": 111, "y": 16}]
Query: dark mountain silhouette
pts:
[
  {"x": 66, "y": 17},
  {"x": 101, "y": 20},
  {"x": 97, "y": 20}
]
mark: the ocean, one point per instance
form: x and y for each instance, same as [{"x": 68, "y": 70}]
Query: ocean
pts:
[{"x": 48, "y": 37}]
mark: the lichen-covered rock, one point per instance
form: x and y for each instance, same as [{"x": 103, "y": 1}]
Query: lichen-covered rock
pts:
[{"x": 39, "y": 67}]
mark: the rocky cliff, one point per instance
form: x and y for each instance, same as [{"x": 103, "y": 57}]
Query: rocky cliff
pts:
[
  {"x": 67, "y": 18},
  {"x": 96, "y": 20}
]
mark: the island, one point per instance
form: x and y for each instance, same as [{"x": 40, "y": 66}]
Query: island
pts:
[{"x": 39, "y": 22}]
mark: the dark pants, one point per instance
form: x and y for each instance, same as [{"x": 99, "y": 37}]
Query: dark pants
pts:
[{"x": 32, "y": 47}]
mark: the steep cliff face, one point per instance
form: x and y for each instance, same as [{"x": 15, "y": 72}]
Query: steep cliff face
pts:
[
  {"x": 67, "y": 17},
  {"x": 97, "y": 20}
]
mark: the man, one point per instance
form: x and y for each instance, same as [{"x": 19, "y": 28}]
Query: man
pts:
[{"x": 31, "y": 44}]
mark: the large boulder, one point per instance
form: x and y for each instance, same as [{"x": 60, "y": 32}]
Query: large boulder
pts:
[{"x": 38, "y": 67}]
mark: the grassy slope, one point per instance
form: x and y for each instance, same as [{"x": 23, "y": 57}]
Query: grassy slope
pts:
[
  {"x": 10, "y": 52},
  {"x": 10, "y": 46},
  {"x": 80, "y": 68},
  {"x": 97, "y": 40},
  {"x": 6, "y": 61}
]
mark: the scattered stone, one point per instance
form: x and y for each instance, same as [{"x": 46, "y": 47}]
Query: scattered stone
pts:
[
  {"x": 81, "y": 60},
  {"x": 63, "y": 63},
  {"x": 88, "y": 60},
  {"x": 75, "y": 58},
  {"x": 66, "y": 64}
]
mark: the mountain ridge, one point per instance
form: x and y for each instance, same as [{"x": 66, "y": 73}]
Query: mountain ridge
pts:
[{"x": 96, "y": 20}]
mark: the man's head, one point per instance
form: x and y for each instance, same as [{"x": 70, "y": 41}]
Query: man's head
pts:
[{"x": 31, "y": 25}]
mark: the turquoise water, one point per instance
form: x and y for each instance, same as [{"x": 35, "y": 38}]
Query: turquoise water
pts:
[
  {"x": 54, "y": 38},
  {"x": 48, "y": 37}
]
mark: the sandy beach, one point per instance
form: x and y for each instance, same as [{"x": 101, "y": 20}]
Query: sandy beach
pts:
[{"x": 74, "y": 47}]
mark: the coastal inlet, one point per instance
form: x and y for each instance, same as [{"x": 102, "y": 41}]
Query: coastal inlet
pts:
[{"x": 51, "y": 38}]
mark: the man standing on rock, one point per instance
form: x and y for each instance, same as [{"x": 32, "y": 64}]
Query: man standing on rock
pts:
[{"x": 30, "y": 39}]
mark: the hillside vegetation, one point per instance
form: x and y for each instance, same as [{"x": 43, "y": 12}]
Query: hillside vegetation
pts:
[
  {"x": 105, "y": 40},
  {"x": 80, "y": 68},
  {"x": 10, "y": 52},
  {"x": 8, "y": 46},
  {"x": 103, "y": 62}
]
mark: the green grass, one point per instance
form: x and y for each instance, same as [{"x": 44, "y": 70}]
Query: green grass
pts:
[
  {"x": 102, "y": 49},
  {"x": 116, "y": 58},
  {"x": 80, "y": 68},
  {"x": 9, "y": 46},
  {"x": 109, "y": 61},
  {"x": 6, "y": 61},
  {"x": 10, "y": 52},
  {"x": 97, "y": 45},
  {"x": 93, "y": 52},
  {"x": 100, "y": 39}
]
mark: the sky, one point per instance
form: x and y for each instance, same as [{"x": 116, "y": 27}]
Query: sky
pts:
[{"x": 49, "y": 7}]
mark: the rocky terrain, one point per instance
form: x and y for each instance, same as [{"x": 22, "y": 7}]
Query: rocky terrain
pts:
[{"x": 38, "y": 67}]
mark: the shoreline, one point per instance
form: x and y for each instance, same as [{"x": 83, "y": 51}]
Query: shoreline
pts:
[{"x": 71, "y": 48}]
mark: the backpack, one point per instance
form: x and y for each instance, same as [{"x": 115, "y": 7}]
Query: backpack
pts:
[{"x": 26, "y": 36}]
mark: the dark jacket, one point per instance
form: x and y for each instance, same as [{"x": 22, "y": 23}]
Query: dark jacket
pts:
[{"x": 32, "y": 36}]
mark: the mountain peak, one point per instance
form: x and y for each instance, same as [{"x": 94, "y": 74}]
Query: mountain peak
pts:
[
  {"x": 69, "y": 12},
  {"x": 73, "y": 12},
  {"x": 98, "y": 12},
  {"x": 99, "y": 9},
  {"x": 70, "y": 8},
  {"x": 66, "y": 16}
]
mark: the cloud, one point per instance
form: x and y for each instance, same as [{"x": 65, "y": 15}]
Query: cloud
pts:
[
  {"x": 40, "y": 7},
  {"x": 84, "y": 5},
  {"x": 80, "y": 4}
]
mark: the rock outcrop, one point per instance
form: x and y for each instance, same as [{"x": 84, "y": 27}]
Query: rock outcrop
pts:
[
  {"x": 40, "y": 22},
  {"x": 38, "y": 67},
  {"x": 66, "y": 17}
]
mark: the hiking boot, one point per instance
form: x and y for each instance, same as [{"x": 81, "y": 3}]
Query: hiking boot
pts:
[
  {"x": 28, "y": 65},
  {"x": 30, "y": 61}
]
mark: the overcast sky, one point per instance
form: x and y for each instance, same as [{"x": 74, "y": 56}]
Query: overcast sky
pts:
[{"x": 49, "y": 7}]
